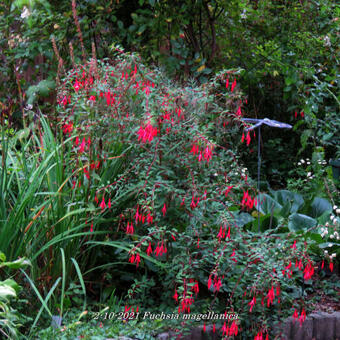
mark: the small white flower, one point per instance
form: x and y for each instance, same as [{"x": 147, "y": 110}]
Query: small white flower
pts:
[
  {"x": 299, "y": 163},
  {"x": 335, "y": 207},
  {"x": 309, "y": 174},
  {"x": 326, "y": 225},
  {"x": 333, "y": 255},
  {"x": 326, "y": 231},
  {"x": 337, "y": 211},
  {"x": 326, "y": 252},
  {"x": 302, "y": 161},
  {"x": 331, "y": 236},
  {"x": 25, "y": 13},
  {"x": 327, "y": 41},
  {"x": 308, "y": 163},
  {"x": 332, "y": 217}
]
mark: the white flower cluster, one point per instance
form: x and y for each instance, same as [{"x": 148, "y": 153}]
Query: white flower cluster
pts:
[
  {"x": 307, "y": 162},
  {"x": 333, "y": 217},
  {"x": 302, "y": 161},
  {"x": 330, "y": 256}
]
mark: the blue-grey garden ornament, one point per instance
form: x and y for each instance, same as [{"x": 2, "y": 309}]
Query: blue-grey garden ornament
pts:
[{"x": 257, "y": 125}]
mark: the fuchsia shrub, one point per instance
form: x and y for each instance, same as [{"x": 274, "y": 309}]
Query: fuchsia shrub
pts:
[{"x": 177, "y": 199}]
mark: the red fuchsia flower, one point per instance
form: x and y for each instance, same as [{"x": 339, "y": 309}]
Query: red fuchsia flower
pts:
[
  {"x": 204, "y": 328},
  {"x": 302, "y": 114},
  {"x": 132, "y": 258},
  {"x": 227, "y": 83},
  {"x": 259, "y": 336},
  {"x": 225, "y": 329},
  {"x": 214, "y": 328},
  {"x": 331, "y": 266},
  {"x": 295, "y": 114},
  {"x": 294, "y": 245},
  {"x": 270, "y": 296},
  {"x": 295, "y": 315},
  {"x": 164, "y": 209},
  {"x": 248, "y": 139},
  {"x": 299, "y": 264},
  {"x": 308, "y": 271},
  {"x": 247, "y": 201},
  {"x": 228, "y": 190},
  {"x": 160, "y": 250},
  {"x": 200, "y": 156},
  {"x": 233, "y": 329},
  {"x": 82, "y": 145},
  {"x": 198, "y": 242},
  {"x": 175, "y": 296},
  {"x": 149, "y": 218},
  {"x": 129, "y": 228},
  {"x": 217, "y": 284},
  {"x": 239, "y": 112},
  {"x": 63, "y": 101},
  {"x": 252, "y": 304},
  {"x": 194, "y": 149},
  {"x": 92, "y": 98},
  {"x": 102, "y": 204},
  {"x": 91, "y": 228},
  {"x": 221, "y": 233},
  {"x": 149, "y": 250},
  {"x": 148, "y": 133},
  {"x": 278, "y": 289},
  {"x": 233, "y": 85},
  {"x": 77, "y": 85},
  {"x": 76, "y": 142},
  {"x": 196, "y": 288},
  {"x": 109, "y": 203},
  {"x": 232, "y": 255},
  {"x": 67, "y": 128},
  {"x": 108, "y": 98},
  {"x": 207, "y": 153},
  {"x": 322, "y": 264},
  {"x": 87, "y": 174},
  {"x": 242, "y": 139},
  {"x": 302, "y": 317},
  {"x": 228, "y": 234},
  {"x": 209, "y": 282}
]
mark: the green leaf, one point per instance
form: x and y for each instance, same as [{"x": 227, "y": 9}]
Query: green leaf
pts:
[
  {"x": 20, "y": 263},
  {"x": 243, "y": 219},
  {"x": 6, "y": 291},
  {"x": 284, "y": 196},
  {"x": 320, "y": 206},
  {"x": 267, "y": 205},
  {"x": 298, "y": 222}
]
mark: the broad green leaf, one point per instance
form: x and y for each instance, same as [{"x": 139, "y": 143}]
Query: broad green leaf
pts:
[
  {"x": 298, "y": 222},
  {"x": 284, "y": 196},
  {"x": 320, "y": 206},
  {"x": 267, "y": 205}
]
